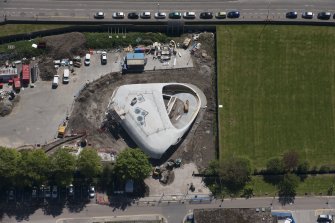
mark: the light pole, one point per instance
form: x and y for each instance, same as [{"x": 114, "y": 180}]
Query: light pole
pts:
[{"x": 158, "y": 6}]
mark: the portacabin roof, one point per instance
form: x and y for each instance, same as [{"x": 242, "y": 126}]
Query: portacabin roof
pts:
[{"x": 135, "y": 56}]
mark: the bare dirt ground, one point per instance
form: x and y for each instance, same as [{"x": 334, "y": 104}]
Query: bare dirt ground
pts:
[{"x": 198, "y": 146}]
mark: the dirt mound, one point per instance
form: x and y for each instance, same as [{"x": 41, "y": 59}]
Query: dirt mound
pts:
[
  {"x": 61, "y": 47},
  {"x": 6, "y": 105}
]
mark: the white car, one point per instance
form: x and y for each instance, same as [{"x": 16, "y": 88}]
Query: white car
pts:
[
  {"x": 55, "y": 81},
  {"x": 160, "y": 15},
  {"x": 66, "y": 76},
  {"x": 99, "y": 15},
  {"x": 189, "y": 15},
  {"x": 87, "y": 60},
  {"x": 118, "y": 15}
]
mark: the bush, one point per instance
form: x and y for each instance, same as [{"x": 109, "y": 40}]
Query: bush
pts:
[
  {"x": 324, "y": 169},
  {"x": 274, "y": 166},
  {"x": 303, "y": 167}
]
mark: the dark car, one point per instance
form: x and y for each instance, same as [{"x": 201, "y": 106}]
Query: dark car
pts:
[
  {"x": 206, "y": 15},
  {"x": 324, "y": 15},
  {"x": 233, "y": 14},
  {"x": 307, "y": 15},
  {"x": 146, "y": 15},
  {"x": 133, "y": 15},
  {"x": 99, "y": 15},
  {"x": 70, "y": 190},
  {"x": 175, "y": 15},
  {"x": 11, "y": 194},
  {"x": 292, "y": 15}
]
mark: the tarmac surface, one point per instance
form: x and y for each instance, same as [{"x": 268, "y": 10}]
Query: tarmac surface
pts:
[{"x": 84, "y": 10}]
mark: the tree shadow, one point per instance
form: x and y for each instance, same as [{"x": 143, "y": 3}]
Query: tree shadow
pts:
[
  {"x": 20, "y": 211},
  {"x": 76, "y": 207},
  {"x": 284, "y": 199},
  {"x": 54, "y": 208},
  {"x": 273, "y": 179}
]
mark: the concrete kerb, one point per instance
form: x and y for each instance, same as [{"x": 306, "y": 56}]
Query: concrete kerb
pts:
[{"x": 127, "y": 218}]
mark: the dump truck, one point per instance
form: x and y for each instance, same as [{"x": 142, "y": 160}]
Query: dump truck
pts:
[{"x": 62, "y": 129}]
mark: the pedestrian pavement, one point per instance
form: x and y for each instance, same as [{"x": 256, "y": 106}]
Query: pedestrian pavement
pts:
[{"x": 125, "y": 218}]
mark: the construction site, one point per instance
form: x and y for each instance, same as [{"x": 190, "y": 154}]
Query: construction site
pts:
[{"x": 66, "y": 101}]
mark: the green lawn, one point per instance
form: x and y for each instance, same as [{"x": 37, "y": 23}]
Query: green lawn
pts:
[
  {"x": 313, "y": 185},
  {"x": 276, "y": 85},
  {"x": 10, "y": 29}
]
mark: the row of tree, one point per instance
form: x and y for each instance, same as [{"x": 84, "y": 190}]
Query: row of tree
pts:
[
  {"x": 233, "y": 173},
  {"x": 26, "y": 168}
]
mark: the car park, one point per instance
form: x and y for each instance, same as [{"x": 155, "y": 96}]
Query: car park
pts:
[
  {"x": 206, "y": 15},
  {"x": 175, "y": 15},
  {"x": 99, "y": 15},
  {"x": 91, "y": 191},
  {"x": 189, "y": 15},
  {"x": 307, "y": 15},
  {"x": 160, "y": 15},
  {"x": 146, "y": 15},
  {"x": 118, "y": 15},
  {"x": 54, "y": 192},
  {"x": 324, "y": 15},
  {"x": 103, "y": 57},
  {"x": 233, "y": 14},
  {"x": 133, "y": 15},
  {"x": 221, "y": 15},
  {"x": 292, "y": 15}
]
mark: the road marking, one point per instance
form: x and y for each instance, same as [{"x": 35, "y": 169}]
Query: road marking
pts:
[{"x": 27, "y": 8}]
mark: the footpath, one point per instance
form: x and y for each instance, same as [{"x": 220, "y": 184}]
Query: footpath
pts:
[{"x": 126, "y": 218}]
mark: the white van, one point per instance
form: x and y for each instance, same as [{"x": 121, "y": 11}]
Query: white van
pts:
[
  {"x": 66, "y": 76},
  {"x": 87, "y": 59},
  {"x": 55, "y": 81}
]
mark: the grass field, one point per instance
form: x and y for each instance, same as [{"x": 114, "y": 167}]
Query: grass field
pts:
[
  {"x": 10, "y": 29},
  {"x": 276, "y": 85},
  {"x": 312, "y": 185}
]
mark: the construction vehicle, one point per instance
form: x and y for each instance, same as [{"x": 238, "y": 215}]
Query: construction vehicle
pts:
[
  {"x": 156, "y": 172},
  {"x": 62, "y": 129},
  {"x": 186, "y": 43}
]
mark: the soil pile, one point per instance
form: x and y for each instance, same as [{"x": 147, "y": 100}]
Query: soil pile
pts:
[
  {"x": 6, "y": 105},
  {"x": 60, "y": 47}
]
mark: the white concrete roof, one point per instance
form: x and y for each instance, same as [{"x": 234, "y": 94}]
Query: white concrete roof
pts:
[{"x": 144, "y": 113}]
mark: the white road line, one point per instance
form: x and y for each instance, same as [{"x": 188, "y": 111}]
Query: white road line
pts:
[{"x": 27, "y": 8}]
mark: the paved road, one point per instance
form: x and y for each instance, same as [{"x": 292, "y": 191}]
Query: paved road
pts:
[
  {"x": 174, "y": 212},
  {"x": 84, "y": 10}
]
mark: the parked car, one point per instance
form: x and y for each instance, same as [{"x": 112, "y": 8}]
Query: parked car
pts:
[
  {"x": 41, "y": 191},
  {"x": 146, "y": 15},
  {"x": 55, "y": 81},
  {"x": 292, "y": 15},
  {"x": 133, "y": 15},
  {"x": 47, "y": 192},
  {"x": 175, "y": 15},
  {"x": 103, "y": 57},
  {"x": 221, "y": 15},
  {"x": 118, "y": 15},
  {"x": 87, "y": 60},
  {"x": 99, "y": 15},
  {"x": 91, "y": 191},
  {"x": 307, "y": 15},
  {"x": 160, "y": 15},
  {"x": 324, "y": 15},
  {"x": 54, "y": 192},
  {"x": 233, "y": 14},
  {"x": 34, "y": 193},
  {"x": 206, "y": 15},
  {"x": 189, "y": 15},
  {"x": 70, "y": 190},
  {"x": 66, "y": 76},
  {"x": 11, "y": 194}
]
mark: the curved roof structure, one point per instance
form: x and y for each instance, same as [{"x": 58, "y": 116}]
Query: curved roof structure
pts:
[{"x": 157, "y": 115}]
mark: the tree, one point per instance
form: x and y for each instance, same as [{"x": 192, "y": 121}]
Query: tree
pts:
[
  {"x": 290, "y": 161},
  {"x": 287, "y": 188},
  {"x": 132, "y": 164},
  {"x": 89, "y": 163},
  {"x": 303, "y": 167},
  {"x": 235, "y": 172},
  {"x": 63, "y": 166},
  {"x": 34, "y": 168},
  {"x": 274, "y": 166},
  {"x": 9, "y": 161}
]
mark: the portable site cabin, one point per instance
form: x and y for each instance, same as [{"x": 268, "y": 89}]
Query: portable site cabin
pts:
[
  {"x": 134, "y": 62},
  {"x": 25, "y": 74}
]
